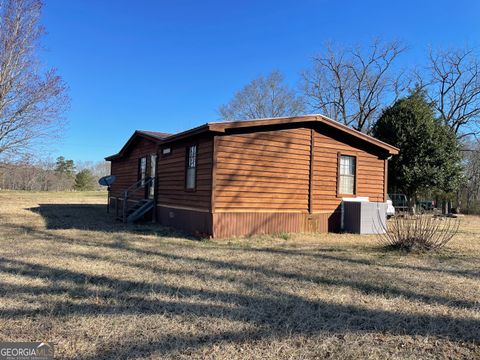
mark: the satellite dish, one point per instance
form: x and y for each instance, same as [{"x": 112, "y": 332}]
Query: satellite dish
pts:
[{"x": 107, "y": 180}]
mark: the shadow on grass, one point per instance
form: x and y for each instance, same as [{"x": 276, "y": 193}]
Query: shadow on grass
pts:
[
  {"x": 94, "y": 217},
  {"x": 272, "y": 313},
  {"x": 322, "y": 255}
]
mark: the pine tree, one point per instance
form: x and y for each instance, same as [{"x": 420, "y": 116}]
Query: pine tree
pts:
[
  {"x": 84, "y": 180},
  {"x": 64, "y": 166}
]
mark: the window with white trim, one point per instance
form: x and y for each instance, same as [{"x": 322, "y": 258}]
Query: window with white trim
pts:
[{"x": 346, "y": 176}]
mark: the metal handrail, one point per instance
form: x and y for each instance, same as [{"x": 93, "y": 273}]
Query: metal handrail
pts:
[{"x": 140, "y": 184}]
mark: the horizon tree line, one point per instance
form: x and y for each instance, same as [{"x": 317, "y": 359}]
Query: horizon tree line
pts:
[{"x": 47, "y": 175}]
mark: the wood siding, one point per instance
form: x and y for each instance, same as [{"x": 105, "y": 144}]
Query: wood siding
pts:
[
  {"x": 171, "y": 175},
  {"x": 126, "y": 168},
  {"x": 279, "y": 180},
  {"x": 170, "y": 172},
  {"x": 370, "y": 171},
  {"x": 226, "y": 224},
  {"x": 198, "y": 223},
  {"x": 271, "y": 171},
  {"x": 286, "y": 180},
  {"x": 263, "y": 171}
]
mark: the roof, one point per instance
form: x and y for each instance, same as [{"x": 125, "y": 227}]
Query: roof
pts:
[
  {"x": 155, "y": 134},
  {"x": 152, "y": 135},
  {"x": 226, "y": 126}
]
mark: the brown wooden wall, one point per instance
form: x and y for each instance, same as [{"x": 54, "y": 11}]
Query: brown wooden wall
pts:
[
  {"x": 270, "y": 171},
  {"x": 263, "y": 171},
  {"x": 170, "y": 172},
  {"x": 171, "y": 175},
  {"x": 126, "y": 168},
  {"x": 370, "y": 170},
  {"x": 198, "y": 223},
  {"x": 227, "y": 224},
  {"x": 261, "y": 180}
]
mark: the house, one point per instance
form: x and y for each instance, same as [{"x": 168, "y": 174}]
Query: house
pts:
[{"x": 272, "y": 175}]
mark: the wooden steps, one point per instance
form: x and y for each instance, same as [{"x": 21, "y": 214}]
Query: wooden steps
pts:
[{"x": 137, "y": 211}]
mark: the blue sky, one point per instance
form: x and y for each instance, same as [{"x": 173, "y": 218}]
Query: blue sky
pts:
[{"x": 168, "y": 65}]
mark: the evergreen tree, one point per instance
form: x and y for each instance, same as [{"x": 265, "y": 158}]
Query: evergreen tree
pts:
[
  {"x": 84, "y": 180},
  {"x": 64, "y": 166},
  {"x": 429, "y": 159}
]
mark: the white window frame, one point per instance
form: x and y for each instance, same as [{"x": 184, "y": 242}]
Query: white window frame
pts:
[{"x": 347, "y": 171}]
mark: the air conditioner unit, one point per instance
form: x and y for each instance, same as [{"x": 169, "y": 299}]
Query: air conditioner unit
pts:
[{"x": 364, "y": 217}]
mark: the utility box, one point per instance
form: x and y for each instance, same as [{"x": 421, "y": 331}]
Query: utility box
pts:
[{"x": 364, "y": 217}]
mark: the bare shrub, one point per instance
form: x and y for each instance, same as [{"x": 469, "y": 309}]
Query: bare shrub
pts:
[{"x": 419, "y": 232}]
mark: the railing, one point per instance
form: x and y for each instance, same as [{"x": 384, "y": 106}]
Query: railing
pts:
[{"x": 140, "y": 184}]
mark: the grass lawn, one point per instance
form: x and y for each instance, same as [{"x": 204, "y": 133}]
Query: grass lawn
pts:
[{"x": 99, "y": 289}]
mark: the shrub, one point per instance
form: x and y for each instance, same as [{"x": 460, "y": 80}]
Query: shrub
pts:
[{"x": 419, "y": 232}]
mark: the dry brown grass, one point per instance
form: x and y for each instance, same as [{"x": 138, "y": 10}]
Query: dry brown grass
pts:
[{"x": 72, "y": 275}]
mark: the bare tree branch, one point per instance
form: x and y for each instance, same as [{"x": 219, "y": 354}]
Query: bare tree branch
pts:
[
  {"x": 453, "y": 84},
  {"x": 263, "y": 97},
  {"x": 352, "y": 85},
  {"x": 470, "y": 190},
  {"x": 31, "y": 101}
]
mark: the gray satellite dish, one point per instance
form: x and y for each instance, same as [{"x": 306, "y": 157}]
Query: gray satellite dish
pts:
[{"x": 107, "y": 180}]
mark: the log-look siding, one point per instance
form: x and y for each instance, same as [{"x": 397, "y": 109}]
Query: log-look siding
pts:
[
  {"x": 283, "y": 179},
  {"x": 370, "y": 172},
  {"x": 286, "y": 181},
  {"x": 126, "y": 168},
  {"x": 171, "y": 175},
  {"x": 263, "y": 171},
  {"x": 271, "y": 170}
]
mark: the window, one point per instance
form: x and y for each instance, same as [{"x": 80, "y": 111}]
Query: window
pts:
[
  {"x": 142, "y": 170},
  {"x": 153, "y": 174},
  {"x": 346, "y": 176},
  {"x": 166, "y": 151},
  {"x": 190, "y": 179}
]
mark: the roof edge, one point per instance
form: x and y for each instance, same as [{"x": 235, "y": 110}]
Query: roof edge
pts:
[
  {"x": 129, "y": 141},
  {"x": 305, "y": 118},
  {"x": 392, "y": 149},
  {"x": 222, "y": 126}
]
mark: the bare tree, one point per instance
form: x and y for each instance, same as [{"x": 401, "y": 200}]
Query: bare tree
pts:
[
  {"x": 263, "y": 97},
  {"x": 453, "y": 84},
  {"x": 97, "y": 168},
  {"x": 31, "y": 100},
  {"x": 470, "y": 191},
  {"x": 34, "y": 175},
  {"x": 352, "y": 85}
]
